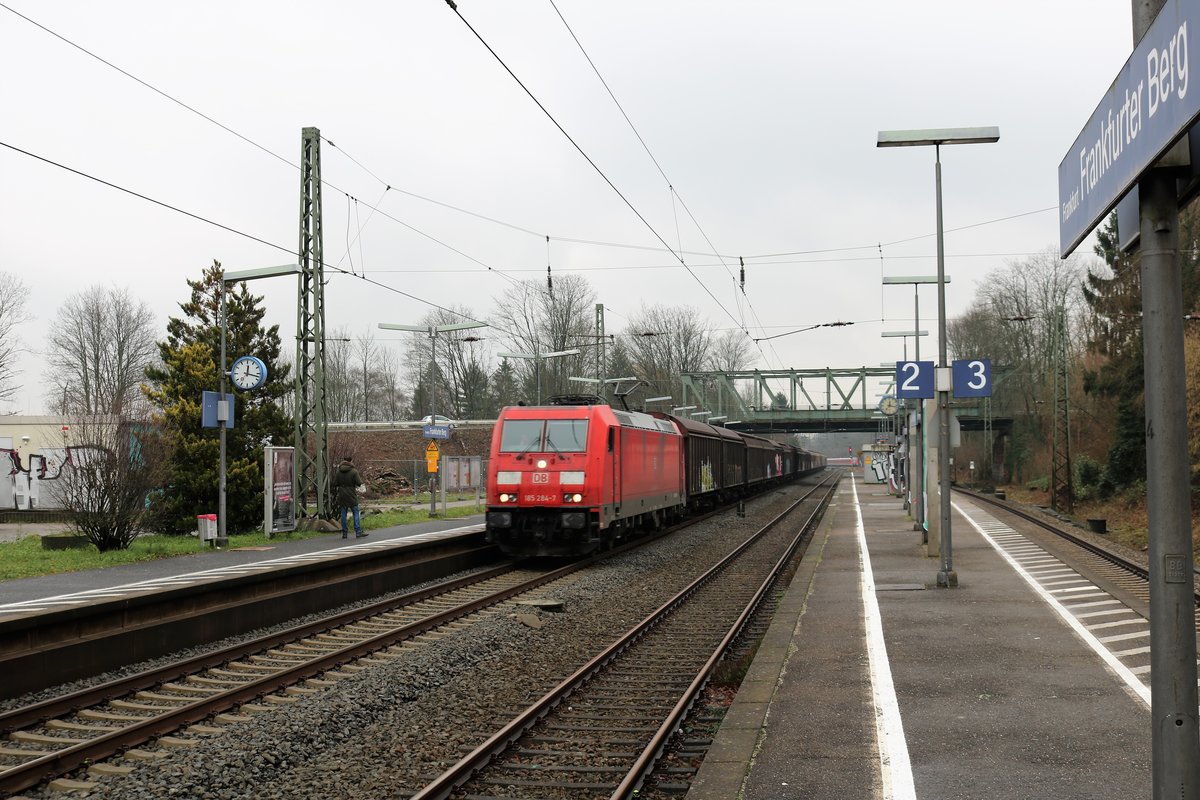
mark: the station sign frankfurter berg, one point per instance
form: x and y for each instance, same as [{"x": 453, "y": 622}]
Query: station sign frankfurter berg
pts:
[{"x": 1148, "y": 107}]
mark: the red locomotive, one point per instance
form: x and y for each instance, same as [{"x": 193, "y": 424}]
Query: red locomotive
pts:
[{"x": 565, "y": 480}]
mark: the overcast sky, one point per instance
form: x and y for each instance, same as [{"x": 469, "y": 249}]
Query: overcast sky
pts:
[{"x": 762, "y": 115}]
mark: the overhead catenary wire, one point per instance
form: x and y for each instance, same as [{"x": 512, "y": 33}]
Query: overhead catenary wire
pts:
[
  {"x": 458, "y": 209},
  {"x": 237, "y": 232},
  {"x": 263, "y": 148},
  {"x": 674, "y": 194},
  {"x": 586, "y": 157}
]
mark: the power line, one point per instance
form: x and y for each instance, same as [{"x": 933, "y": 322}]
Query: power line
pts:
[
  {"x": 670, "y": 185},
  {"x": 450, "y": 206},
  {"x": 586, "y": 157},
  {"x": 232, "y": 230},
  {"x": 268, "y": 151}
]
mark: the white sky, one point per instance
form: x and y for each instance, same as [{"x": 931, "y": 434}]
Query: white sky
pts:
[{"x": 763, "y": 115}]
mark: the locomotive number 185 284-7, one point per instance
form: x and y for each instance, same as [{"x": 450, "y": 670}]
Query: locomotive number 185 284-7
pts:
[{"x": 539, "y": 498}]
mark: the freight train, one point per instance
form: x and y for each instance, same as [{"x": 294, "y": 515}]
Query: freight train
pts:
[{"x": 573, "y": 478}]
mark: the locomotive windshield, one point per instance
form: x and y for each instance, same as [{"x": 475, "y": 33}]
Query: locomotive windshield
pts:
[
  {"x": 566, "y": 435},
  {"x": 521, "y": 435},
  {"x": 561, "y": 436}
]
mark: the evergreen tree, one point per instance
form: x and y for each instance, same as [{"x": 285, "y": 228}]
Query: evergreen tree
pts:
[
  {"x": 189, "y": 366},
  {"x": 475, "y": 400},
  {"x": 1116, "y": 304},
  {"x": 505, "y": 388},
  {"x": 620, "y": 365}
]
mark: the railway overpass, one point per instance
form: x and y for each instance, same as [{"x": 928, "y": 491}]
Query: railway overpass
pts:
[{"x": 810, "y": 400}]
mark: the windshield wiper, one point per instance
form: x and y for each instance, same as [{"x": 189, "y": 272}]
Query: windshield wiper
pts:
[{"x": 529, "y": 449}]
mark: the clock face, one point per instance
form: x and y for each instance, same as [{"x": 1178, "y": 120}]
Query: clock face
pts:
[
  {"x": 888, "y": 406},
  {"x": 248, "y": 373}
]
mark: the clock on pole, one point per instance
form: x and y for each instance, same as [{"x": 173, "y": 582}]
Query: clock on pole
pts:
[{"x": 248, "y": 372}]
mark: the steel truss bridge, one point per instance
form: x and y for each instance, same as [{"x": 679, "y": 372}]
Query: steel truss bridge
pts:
[{"x": 810, "y": 400}]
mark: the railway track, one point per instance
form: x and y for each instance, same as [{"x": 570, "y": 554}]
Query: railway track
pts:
[
  {"x": 1104, "y": 563},
  {"x": 602, "y": 730},
  {"x": 53, "y": 738}
]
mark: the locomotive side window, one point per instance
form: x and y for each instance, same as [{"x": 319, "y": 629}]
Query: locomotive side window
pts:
[
  {"x": 521, "y": 435},
  {"x": 567, "y": 435}
]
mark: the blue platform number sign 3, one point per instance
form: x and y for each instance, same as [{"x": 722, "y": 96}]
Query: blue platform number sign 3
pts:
[
  {"x": 914, "y": 379},
  {"x": 972, "y": 377}
]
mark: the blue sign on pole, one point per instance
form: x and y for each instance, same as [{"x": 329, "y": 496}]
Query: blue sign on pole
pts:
[
  {"x": 209, "y": 411},
  {"x": 914, "y": 379},
  {"x": 972, "y": 377},
  {"x": 1145, "y": 110},
  {"x": 436, "y": 431}
]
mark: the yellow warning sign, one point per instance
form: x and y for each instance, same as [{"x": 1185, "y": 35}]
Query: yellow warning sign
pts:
[{"x": 431, "y": 447}]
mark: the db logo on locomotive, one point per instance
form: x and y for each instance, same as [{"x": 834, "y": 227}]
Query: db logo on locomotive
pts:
[{"x": 541, "y": 477}]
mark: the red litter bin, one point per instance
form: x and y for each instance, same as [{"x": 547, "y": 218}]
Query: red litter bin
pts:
[{"x": 206, "y": 527}]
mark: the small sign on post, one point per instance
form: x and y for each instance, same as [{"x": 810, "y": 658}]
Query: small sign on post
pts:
[
  {"x": 432, "y": 454},
  {"x": 914, "y": 379},
  {"x": 972, "y": 377}
]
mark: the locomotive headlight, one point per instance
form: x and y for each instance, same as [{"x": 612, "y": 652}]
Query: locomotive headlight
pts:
[
  {"x": 541, "y": 464},
  {"x": 578, "y": 498},
  {"x": 505, "y": 497}
]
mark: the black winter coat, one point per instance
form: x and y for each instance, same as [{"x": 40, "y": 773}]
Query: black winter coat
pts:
[{"x": 344, "y": 483}]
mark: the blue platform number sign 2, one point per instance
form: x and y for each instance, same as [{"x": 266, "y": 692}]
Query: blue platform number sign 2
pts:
[
  {"x": 914, "y": 379},
  {"x": 972, "y": 377}
]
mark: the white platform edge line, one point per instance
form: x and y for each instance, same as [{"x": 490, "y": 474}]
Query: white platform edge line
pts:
[
  {"x": 218, "y": 572},
  {"x": 1132, "y": 682},
  {"x": 895, "y": 765}
]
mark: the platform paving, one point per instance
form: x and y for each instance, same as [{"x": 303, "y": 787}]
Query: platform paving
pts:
[
  {"x": 994, "y": 695},
  {"x": 207, "y": 558}
]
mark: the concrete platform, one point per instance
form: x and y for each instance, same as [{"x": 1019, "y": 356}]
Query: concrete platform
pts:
[
  {"x": 1025, "y": 681},
  {"x": 208, "y": 563}
]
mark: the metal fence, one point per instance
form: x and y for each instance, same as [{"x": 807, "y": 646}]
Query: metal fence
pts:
[{"x": 417, "y": 476}]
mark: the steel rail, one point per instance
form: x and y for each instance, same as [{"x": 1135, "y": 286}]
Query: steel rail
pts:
[
  {"x": 55, "y": 763},
  {"x": 650, "y": 755},
  {"x": 56, "y": 706},
  {"x": 13, "y": 779},
  {"x": 462, "y": 771},
  {"x": 1098, "y": 550}
]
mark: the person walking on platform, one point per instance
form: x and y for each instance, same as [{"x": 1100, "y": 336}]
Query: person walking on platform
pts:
[{"x": 346, "y": 482}]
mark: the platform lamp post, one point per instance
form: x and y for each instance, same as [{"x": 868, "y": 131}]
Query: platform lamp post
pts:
[
  {"x": 595, "y": 382},
  {"x": 677, "y": 409},
  {"x": 937, "y": 137},
  {"x": 914, "y": 501},
  {"x": 433, "y": 331},
  {"x": 223, "y": 419},
  {"x": 666, "y": 398},
  {"x": 537, "y": 359},
  {"x": 917, "y": 504}
]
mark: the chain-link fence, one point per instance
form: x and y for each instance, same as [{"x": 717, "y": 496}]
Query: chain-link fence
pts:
[{"x": 411, "y": 478}]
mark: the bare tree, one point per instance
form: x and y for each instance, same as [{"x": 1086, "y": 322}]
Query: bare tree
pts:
[
  {"x": 341, "y": 389},
  {"x": 392, "y": 398},
  {"x": 102, "y": 341},
  {"x": 108, "y": 481},
  {"x": 681, "y": 342},
  {"x": 732, "y": 350},
  {"x": 366, "y": 354},
  {"x": 13, "y": 297},
  {"x": 535, "y": 320},
  {"x": 453, "y": 373},
  {"x": 1015, "y": 317}
]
